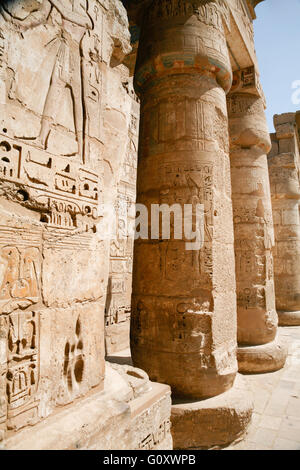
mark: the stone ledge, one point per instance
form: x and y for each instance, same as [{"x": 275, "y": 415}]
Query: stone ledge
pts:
[
  {"x": 103, "y": 422},
  {"x": 289, "y": 318},
  {"x": 264, "y": 358},
  {"x": 215, "y": 422}
]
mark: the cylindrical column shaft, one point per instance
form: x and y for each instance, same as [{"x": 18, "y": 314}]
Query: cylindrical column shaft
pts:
[
  {"x": 254, "y": 231},
  {"x": 284, "y": 177},
  {"x": 183, "y": 328}
]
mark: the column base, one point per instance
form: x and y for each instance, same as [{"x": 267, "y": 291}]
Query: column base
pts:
[
  {"x": 289, "y": 318},
  {"x": 263, "y": 358},
  {"x": 215, "y": 422}
]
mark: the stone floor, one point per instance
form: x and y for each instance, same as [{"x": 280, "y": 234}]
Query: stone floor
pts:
[{"x": 276, "y": 419}]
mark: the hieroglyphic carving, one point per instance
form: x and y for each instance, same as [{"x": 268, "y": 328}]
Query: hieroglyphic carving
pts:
[
  {"x": 155, "y": 438},
  {"x": 247, "y": 81},
  {"x": 198, "y": 178},
  {"x": 237, "y": 105},
  {"x": 252, "y": 298},
  {"x": 20, "y": 291},
  {"x": 66, "y": 193},
  {"x": 118, "y": 308},
  {"x": 22, "y": 366},
  {"x": 213, "y": 14},
  {"x": 209, "y": 13},
  {"x": 20, "y": 277},
  {"x": 56, "y": 180}
]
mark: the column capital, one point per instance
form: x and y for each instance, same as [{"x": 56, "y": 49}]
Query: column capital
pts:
[
  {"x": 247, "y": 121},
  {"x": 183, "y": 37}
]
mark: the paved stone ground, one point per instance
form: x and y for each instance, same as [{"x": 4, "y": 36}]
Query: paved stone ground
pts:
[{"x": 276, "y": 419}]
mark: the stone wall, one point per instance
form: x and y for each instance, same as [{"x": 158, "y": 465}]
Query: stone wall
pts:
[
  {"x": 68, "y": 145},
  {"x": 121, "y": 134},
  {"x": 284, "y": 169}
]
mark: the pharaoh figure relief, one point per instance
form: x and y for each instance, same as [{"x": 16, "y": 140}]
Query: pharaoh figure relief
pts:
[
  {"x": 49, "y": 68},
  {"x": 71, "y": 22}
]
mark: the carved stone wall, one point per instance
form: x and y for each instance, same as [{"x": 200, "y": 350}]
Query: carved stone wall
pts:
[
  {"x": 285, "y": 186},
  {"x": 68, "y": 138},
  {"x": 122, "y": 128}
]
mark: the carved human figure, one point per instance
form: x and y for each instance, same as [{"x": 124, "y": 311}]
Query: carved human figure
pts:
[{"x": 67, "y": 70}]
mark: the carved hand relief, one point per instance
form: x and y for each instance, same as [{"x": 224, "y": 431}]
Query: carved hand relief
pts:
[{"x": 74, "y": 360}]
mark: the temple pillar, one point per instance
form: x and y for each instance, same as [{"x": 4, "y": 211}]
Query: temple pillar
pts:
[
  {"x": 183, "y": 325},
  {"x": 259, "y": 347},
  {"x": 285, "y": 189}
]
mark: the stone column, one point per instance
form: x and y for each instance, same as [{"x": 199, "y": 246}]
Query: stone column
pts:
[
  {"x": 259, "y": 348},
  {"x": 183, "y": 329},
  {"x": 284, "y": 177}
]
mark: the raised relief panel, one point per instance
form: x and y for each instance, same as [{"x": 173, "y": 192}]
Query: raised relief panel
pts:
[
  {"x": 20, "y": 277},
  {"x": 20, "y": 286},
  {"x": 247, "y": 81},
  {"x": 198, "y": 178},
  {"x": 22, "y": 368}
]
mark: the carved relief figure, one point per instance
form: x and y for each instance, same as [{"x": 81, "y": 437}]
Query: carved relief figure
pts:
[
  {"x": 19, "y": 279},
  {"x": 67, "y": 70}
]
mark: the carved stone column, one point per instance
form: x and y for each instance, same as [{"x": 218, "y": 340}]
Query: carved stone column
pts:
[
  {"x": 183, "y": 329},
  {"x": 284, "y": 177},
  {"x": 259, "y": 348}
]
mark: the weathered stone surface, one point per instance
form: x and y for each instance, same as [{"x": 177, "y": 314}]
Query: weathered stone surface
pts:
[
  {"x": 109, "y": 420},
  {"x": 183, "y": 327},
  {"x": 283, "y": 163},
  {"x": 68, "y": 148},
  {"x": 214, "y": 422},
  {"x": 253, "y": 226},
  {"x": 262, "y": 359},
  {"x": 185, "y": 295},
  {"x": 69, "y": 127}
]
